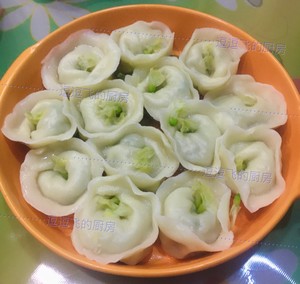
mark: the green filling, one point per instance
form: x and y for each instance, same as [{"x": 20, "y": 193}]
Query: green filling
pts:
[
  {"x": 202, "y": 197},
  {"x": 142, "y": 159},
  {"x": 123, "y": 70},
  {"x": 111, "y": 112},
  {"x": 173, "y": 121},
  {"x": 156, "y": 81},
  {"x": 235, "y": 208},
  {"x": 249, "y": 100},
  {"x": 240, "y": 163},
  {"x": 59, "y": 166},
  {"x": 86, "y": 63},
  {"x": 155, "y": 47},
  {"x": 237, "y": 200},
  {"x": 208, "y": 59},
  {"x": 111, "y": 206},
  {"x": 34, "y": 118},
  {"x": 120, "y": 75},
  {"x": 183, "y": 124}
]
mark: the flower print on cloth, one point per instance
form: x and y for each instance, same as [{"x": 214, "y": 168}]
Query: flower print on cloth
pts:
[
  {"x": 232, "y": 4},
  {"x": 39, "y": 12}
]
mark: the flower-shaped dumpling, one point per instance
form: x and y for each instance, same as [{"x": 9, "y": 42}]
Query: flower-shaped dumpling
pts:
[
  {"x": 192, "y": 132},
  {"x": 194, "y": 215},
  {"x": 83, "y": 60},
  {"x": 116, "y": 222},
  {"x": 141, "y": 152},
  {"x": 108, "y": 109},
  {"x": 208, "y": 59},
  {"x": 246, "y": 103},
  {"x": 251, "y": 160},
  {"x": 142, "y": 43},
  {"x": 54, "y": 178},
  {"x": 39, "y": 119},
  {"x": 163, "y": 83}
]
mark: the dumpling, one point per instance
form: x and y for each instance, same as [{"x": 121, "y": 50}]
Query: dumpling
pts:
[
  {"x": 191, "y": 130},
  {"x": 194, "y": 215},
  {"x": 83, "y": 60},
  {"x": 251, "y": 160},
  {"x": 163, "y": 83},
  {"x": 208, "y": 60},
  {"x": 40, "y": 119},
  {"x": 116, "y": 222},
  {"x": 108, "y": 109},
  {"x": 141, "y": 152},
  {"x": 248, "y": 103},
  {"x": 143, "y": 43},
  {"x": 54, "y": 178}
]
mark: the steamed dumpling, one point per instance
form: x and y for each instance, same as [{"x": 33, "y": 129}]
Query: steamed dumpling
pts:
[
  {"x": 141, "y": 152},
  {"x": 143, "y": 43},
  {"x": 83, "y": 60},
  {"x": 190, "y": 127},
  {"x": 247, "y": 103},
  {"x": 108, "y": 109},
  {"x": 194, "y": 215},
  {"x": 117, "y": 221},
  {"x": 210, "y": 63},
  {"x": 251, "y": 160},
  {"x": 39, "y": 119},
  {"x": 54, "y": 178},
  {"x": 163, "y": 83}
]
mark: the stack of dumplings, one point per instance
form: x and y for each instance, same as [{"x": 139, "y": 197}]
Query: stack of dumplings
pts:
[{"x": 137, "y": 144}]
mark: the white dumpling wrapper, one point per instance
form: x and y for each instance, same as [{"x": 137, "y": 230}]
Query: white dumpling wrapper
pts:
[
  {"x": 251, "y": 161},
  {"x": 177, "y": 84},
  {"x": 143, "y": 43},
  {"x": 89, "y": 111},
  {"x": 118, "y": 151},
  {"x": 126, "y": 231},
  {"x": 83, "y": 60},
  {"x": 44, "y": 187},
  {"x": 39, "y": 119},
  {"x": 247, "y": 103},
  {"x": 209, "y": 62},
  {"x": 196, "y": 150},
  {"x": 183, "y": 231}
]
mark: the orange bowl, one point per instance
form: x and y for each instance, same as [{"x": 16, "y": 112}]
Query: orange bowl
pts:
[{"x": 23, "y": 78}]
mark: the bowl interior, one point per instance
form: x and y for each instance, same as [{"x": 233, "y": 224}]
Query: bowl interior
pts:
[{"x": 24, "y": 78}]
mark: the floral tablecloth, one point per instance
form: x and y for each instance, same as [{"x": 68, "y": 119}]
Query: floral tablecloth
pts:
[{"x": 276, "y": 259}]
